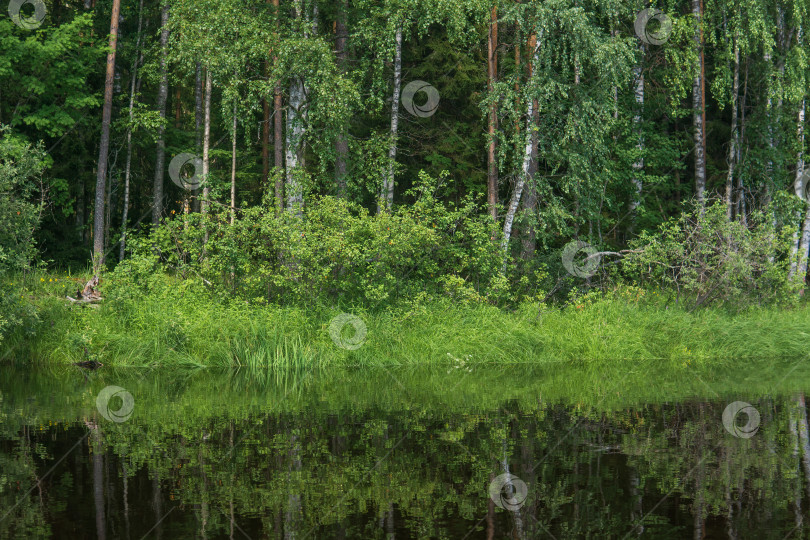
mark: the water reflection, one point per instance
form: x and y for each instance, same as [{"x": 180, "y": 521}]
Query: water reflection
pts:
[{"x": 363, "y": 454}]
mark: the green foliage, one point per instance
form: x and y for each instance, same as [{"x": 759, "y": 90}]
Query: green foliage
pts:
[
  {"x": 702, "y": 258},
  {"x": 21, "y": 165},
  {"x": 339, "y": 253}
]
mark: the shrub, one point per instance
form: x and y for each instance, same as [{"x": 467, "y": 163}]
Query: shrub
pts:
[{"x": 705, "y": 258}]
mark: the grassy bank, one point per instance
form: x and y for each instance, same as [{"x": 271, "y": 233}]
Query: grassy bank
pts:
[{"x": 178, "y": 324}]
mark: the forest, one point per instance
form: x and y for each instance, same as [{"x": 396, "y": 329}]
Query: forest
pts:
[
  {"x": 404, "y": 268},
  {"x": 390, "y": 156}
]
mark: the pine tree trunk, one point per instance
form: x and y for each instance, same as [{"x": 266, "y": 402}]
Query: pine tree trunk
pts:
[
  {"x": 104, "y": 145},
  {"x": 163, "y": 90},
  {"x": 699, "y": 106},
  {"x": 387, "y": 194},
  {"x": 127, "y": 170},
  {"x": 492, "y": 74}
]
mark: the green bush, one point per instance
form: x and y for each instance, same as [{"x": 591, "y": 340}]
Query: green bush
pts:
[
  {"x": 20, "y": 164},
  {"x": 337, "y": 252},
  {"x": 704, "y": 258}
]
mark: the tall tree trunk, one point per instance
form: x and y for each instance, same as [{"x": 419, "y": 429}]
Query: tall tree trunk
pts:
[
  {"x": 740, "y": 205},
  {"x": 265, "y": 142},
  {"x": 163, "y": 90},
  {"x": 206, "y": 151},
  {"x": 699, "y": 106},
  {"x": 769, "y": 185},
  {"x": 732, "y": 149},
  {"x": 531, "y": 201},
  {"x": 127, "y": 170},
  {"x": 278, "y": 135},
  {"x": 492, "y": 74},
  {"x": 638, "y": 166},
  {"x": 295, "y": 132},
  {"x": 233, "y": 166},
  {"x": 387, "y": 194},
  {"x": 198, "y": 122},
  {"x": 522, "y": 176},
  {"x": 295, "y": 135},
  {"x": 341, "y": 141},
  {"x": 798, "y": 257},
  {"x": 104, "y": 145},
  {"x": 81, "y": 204}
]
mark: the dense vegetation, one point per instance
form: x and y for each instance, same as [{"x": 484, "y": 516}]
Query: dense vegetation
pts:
[{"x": 401, "y": 155}]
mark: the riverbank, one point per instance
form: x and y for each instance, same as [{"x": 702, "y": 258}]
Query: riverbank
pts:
[{"x": 179, "y": 325}]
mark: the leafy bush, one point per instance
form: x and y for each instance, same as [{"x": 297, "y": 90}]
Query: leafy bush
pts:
[
  {"x": 338, "y": 252},
  {"x": 20, "y": 163},
  {"x": 704, "y": 258}
]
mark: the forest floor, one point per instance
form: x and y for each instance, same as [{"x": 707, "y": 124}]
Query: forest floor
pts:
[{"x": 628, "y": 329}]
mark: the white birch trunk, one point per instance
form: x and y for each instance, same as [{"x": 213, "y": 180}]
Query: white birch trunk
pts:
[
  {"x": 206, "y": 165},
  {"x": 697, "y": 105},
  {"x": 798, "y": 258},
  {"x": 163, "y": 89},
  {"x": 387, "y": 194},
  {"x": 521, "y": 181},
  {"x": 233, "y": 166},
  {"x": 638, "y": 166},
  {"x": 732, "y": 150},
  {"x": 294, "y": 136}
]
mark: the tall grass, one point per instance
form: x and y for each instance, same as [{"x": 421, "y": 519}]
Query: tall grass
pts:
[{"x": 628, "y": 330}]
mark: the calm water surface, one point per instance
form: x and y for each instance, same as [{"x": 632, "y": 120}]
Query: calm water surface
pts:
[{"x": 397, "y": 454}]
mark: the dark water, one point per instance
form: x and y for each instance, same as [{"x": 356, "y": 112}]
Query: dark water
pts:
[{"x": 395, "y": 454}]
